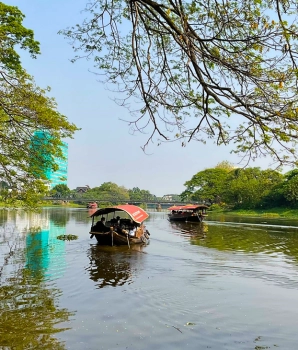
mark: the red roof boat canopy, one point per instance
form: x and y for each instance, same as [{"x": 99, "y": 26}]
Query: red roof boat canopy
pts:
[
  {"x": 137, "y": 214},
  {"x": 176, "y": 207}
]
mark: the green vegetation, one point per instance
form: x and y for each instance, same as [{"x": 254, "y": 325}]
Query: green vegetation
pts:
[
  {"x": 270, "y": 213},
  {"x": 137, "y": 195},
  {"x": 25, "y": 109},
  {"x": 67, "y": 237},
  {"x": 109, "y": 191},
  {"x": 61, "y": 190},
  {"x": 245, "y": 190},
  {"x": 201, "y": 69}
]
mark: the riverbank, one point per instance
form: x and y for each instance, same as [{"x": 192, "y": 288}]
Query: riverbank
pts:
[
  {"x": 61, "y": 204},
  {"x": 46, "y": 205},
  {"x": 274, "y": 213}
]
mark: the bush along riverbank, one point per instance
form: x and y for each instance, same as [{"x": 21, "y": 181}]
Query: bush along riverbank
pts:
[{"x": 273, "y": 212}]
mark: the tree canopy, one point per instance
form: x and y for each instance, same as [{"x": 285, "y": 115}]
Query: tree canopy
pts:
[
  {"x": 207, "y": 185},
  {"x": 13, "y": 34},
  {"x": 60, "y": 190},
  {"x": 136, "y": 194},
  {"x": 24, "y": 109},
  {"x": 247, "y": 188},
  {"x": 108, "y": 191},
  {"x": 111, "y": 192},
  {"x": 225, "y": 70}
]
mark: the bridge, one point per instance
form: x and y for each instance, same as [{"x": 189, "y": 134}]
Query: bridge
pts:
[{"x": 150, "y": 202}]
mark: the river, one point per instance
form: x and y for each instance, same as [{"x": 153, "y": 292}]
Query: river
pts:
[{"x": 229, "y": 283}]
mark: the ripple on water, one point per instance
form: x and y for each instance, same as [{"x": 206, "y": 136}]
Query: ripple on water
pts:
[{"x": 194, "y": 286}]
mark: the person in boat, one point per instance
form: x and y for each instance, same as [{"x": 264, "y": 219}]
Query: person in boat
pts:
[
  {"x": 118, "y": 227},
  {"x": 100, "y": 226},
  {"x": 132, "y": 228},
  {"x": 116, "y": 221}
]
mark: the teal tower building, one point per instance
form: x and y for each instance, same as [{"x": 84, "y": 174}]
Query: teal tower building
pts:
[{"x": 59, "y": 176}]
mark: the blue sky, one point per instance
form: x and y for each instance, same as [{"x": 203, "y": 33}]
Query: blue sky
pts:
[{"x": 104, "y": 150}]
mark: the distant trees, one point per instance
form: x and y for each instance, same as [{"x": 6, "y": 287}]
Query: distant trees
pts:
[
  {"x": 136, "y": 194},
  {"x": 60, "y": 190},
  {"x": 246, "y": 188},
  {"x": 109, "y": 191}
]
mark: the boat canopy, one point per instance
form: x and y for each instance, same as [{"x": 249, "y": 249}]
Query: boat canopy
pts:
[
  {"x": 188, "y": 207},
  {"x": 137, "y": 214}
]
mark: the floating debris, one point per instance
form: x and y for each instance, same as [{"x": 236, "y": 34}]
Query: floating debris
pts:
[{"x": 67, "y": 237}]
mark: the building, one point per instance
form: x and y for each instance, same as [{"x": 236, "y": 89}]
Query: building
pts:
[
  {"x": 58, "y": 177},
  {"x": 171, "y": 197},
  {"x": 82, "y": 189}
]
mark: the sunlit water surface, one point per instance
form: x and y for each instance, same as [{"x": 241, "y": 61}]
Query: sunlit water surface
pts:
[{"x": 229, "y": 283}]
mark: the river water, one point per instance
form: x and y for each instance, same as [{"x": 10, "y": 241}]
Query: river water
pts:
[{"x": 229, "y": 283}]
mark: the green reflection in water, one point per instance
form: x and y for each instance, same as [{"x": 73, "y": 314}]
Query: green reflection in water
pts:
[
  {"x": 60, "y": 216},
  {"x": 30, "y": 313},
  {"x": 244, "y": 238}
]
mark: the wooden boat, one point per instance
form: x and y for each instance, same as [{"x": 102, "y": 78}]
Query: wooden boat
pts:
[
  {"x": 188, "y": 213},
  {"x": 92, "y": 205},
  {"x": 125, "y": 228}
]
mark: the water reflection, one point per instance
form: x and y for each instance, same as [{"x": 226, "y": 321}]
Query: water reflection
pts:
[
  {"x": 29, "y": 307},
  {"x": 45, "y": 253},
  {"x": 60, "y": 217},
  {"x": 29, "y": 313},
  {"x": 248, "y": 238},
  {"x": 237, "y": 295},
  {"x": 190, "y": 228},
  {"x": 113, "y": 266},
  {"x": 81, "y": 215}
]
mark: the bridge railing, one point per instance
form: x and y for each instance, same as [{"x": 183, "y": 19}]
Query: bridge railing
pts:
[{"x": 119, "y": 201}]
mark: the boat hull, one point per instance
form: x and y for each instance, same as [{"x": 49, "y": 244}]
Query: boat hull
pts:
[
  {"x": 184, "y": 218},
  {"x": 113, "y": 238}
]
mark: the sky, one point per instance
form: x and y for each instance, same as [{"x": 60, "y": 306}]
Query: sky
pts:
[{"x": 104, "y": 150}]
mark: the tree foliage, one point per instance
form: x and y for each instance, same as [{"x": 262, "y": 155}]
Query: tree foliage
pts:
[
  {"x": 225, "y": 165},
  {"x": 13, "y": 34},
  {"x": 24, "y": 109},
  {"x": 60, "y": 190},
  {"x": 290, "y": 186},
  {"x": 112, "y": 193},
  {"x": 225, "y": 70},
  {"x": 247, "y": 188},
  {"x": 108, "y": 191},
  {"x": 136, "y": 194},
  {"x": 207, "y": 185}
]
